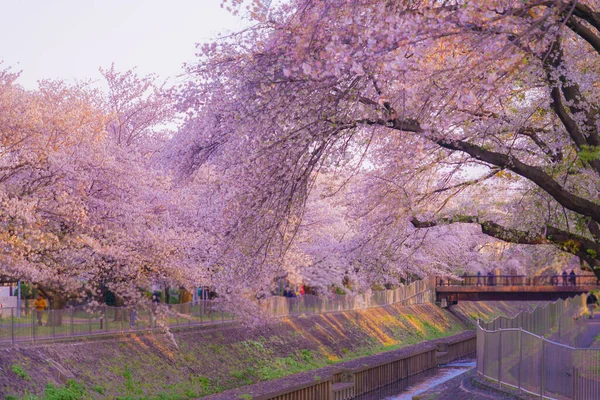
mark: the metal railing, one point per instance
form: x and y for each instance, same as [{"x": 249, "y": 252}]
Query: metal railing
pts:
[
  {"x": 520, "y": 280},
  {"x": 33, "y": 325},
  {"x": 525, "y": 353}
]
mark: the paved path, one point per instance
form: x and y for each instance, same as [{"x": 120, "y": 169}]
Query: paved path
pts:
[
  {"x": 592, "y": 330},
  {"x": 466, "y": 387}
]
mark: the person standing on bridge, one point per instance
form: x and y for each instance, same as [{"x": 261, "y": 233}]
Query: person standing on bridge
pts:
[
  {"x": 490, "y": 277},
  {"x": 564, "y": 276},
  {"x": 573, "y": 278},
  {"x": 591, "y": 303}
]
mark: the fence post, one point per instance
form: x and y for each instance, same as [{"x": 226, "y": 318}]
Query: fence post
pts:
[
  {"x": 559, "y": 317},
  {"x": 542, "y": 371},
  {"x": 575, "y": 394},
  {"x": 520, "y": 355},
  {"x": 484, "y": 335},
  {"x": 12, "y": 324},
  {"x": 500, "y": 358},
  {"x": 33, "y": 325},
  {"x": 53, "y": 317},
  {"x": 72, "y": 323}
]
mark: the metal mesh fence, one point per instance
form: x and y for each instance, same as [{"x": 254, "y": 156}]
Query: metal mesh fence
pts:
[
  {"x": 557, "y": 318},
  {"x": 32, "y": 325},
  {"x": 524, "y": 352},
  {"x": 415, "y": 293}
]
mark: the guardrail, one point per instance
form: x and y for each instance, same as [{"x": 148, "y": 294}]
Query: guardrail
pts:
[
  {"x": 516, "y": 353},
  {"x": 71, "y": 322},
  {"x": 520, "y": 280}
]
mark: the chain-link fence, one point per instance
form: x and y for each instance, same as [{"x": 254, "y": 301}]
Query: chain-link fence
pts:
[
  {"x": 524, "y": 352},
  {"x": 557, "y": 319},
  {"x": 88, "y": 320},
  {"x": 34, "y": 325},
  {"x": 416, "y": 293}
]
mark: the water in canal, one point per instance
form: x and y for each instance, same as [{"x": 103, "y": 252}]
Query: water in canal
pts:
[{"x": 420, "y": 383}]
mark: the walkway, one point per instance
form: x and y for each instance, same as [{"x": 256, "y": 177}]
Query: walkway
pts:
[
  {"x": 587, "y": 337},
  {"x": 467, "y": 387}
]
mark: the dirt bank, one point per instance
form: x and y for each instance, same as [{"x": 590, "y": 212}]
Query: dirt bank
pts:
[{"x": 207, "y": 361}]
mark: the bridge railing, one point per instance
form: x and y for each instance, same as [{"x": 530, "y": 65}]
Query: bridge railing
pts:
[
  {"x": 520, "y": 280},
  {"x": 525, "y": 353},
  {"x": 32, "y": 325}
]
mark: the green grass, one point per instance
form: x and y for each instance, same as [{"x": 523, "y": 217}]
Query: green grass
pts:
[
  {"x": 20, "y": 372},
  {"x": 71, "y": 391},
  {"x": 98, "y": 389},
  {"x": 132, "y": 386},
  {"x": 244, "y": 376},
  {"x": 246, "y": 361}
]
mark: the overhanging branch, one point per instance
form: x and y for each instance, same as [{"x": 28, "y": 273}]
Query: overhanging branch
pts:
[
  {"x": 536, "y": 175},
  {"x": 580, "y": 246}
]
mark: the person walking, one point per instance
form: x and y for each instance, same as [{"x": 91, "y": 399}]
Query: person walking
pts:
[
  {"x": 591, "y": 303},
  {"x": 40, "y": 305},
  {"x": 290, "y": 295},
  {"x": 133, "y": 318},
  {"x": 573, "y": 278},
  {"x": 564, "y": 277},
  {"x": 478, "y": 278}
]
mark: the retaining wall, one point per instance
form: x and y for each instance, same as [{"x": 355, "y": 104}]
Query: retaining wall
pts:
[{"x": 372, "y": 373}]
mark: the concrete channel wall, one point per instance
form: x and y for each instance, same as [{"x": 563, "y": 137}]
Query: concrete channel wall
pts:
[{"x": 346, "y": 384}]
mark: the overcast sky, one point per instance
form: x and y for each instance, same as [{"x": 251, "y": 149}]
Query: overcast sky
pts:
[{"x": 70, "y": 39}]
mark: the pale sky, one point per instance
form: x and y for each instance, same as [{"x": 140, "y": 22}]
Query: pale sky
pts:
[{"x": 71, "y": 39}]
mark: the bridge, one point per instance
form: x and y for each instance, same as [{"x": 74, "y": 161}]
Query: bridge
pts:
[{"x": 513, "y": 287}]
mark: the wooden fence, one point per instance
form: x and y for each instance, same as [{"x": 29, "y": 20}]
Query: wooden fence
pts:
[{"x": 347, "y": 384}]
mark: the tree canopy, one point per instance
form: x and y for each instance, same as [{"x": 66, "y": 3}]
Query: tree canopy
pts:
[
  {"x": 462, "y": 111},
  {"x": 330, "y": 140}
]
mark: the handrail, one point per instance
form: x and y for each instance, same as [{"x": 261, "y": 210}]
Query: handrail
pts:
[{"x": 520, "y": 280}]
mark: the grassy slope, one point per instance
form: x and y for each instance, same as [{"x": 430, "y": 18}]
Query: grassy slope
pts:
[{"x": 206, "y": 361}]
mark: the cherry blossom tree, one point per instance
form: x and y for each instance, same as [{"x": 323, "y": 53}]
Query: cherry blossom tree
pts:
[
  {"x": 140, "y": 109},
  {"x": 474, "y": 94},
  {"x": 80, "y": 209}
]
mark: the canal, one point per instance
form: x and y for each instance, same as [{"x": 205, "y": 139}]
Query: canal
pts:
[{"x": 420, "y": 383}]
